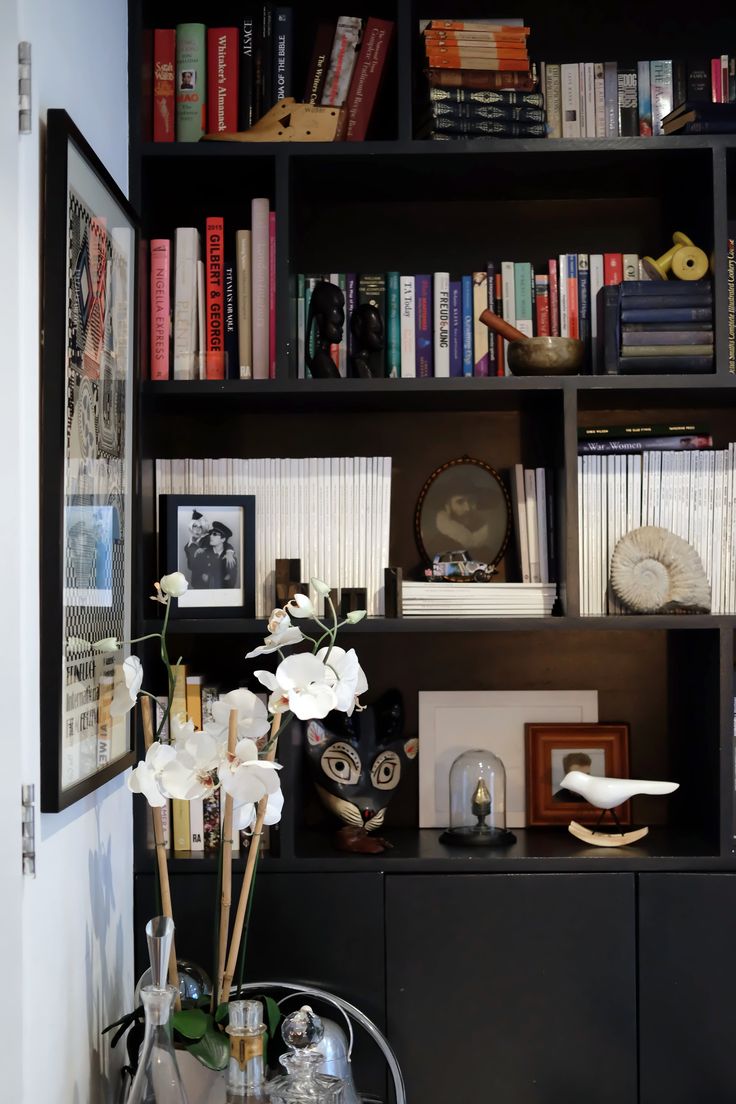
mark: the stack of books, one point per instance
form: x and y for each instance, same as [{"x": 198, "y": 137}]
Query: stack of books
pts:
[
  {"x": 480, "y": 81},
  {"x": 657, "y": 326},
  {"x": 478, "y": 599},
  {"x": 692, "y": 117}
]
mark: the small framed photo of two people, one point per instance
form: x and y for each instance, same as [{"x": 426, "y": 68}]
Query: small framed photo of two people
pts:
[
  {"x": 553, "y": 750},
  {"x": 211, "y": 540}
]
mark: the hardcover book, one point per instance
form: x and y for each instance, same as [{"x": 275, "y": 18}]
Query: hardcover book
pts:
[
  {"x": 164, "y": 74},
  {"x": 215, "y": 315},
  {"x": 160, "y": 281},
  {"x": 191, "y": 84},
  {"x": 369, "y": 70},
  {"x": 222, "y": 80},
  {"x": 317, "y": 72}
]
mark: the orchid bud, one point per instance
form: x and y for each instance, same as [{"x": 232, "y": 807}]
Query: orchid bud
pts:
[
  {"x": 174, "y": 584},
  {"x": 108, "y": 644},
  {"x": 355, "y": 616},
  {"x": 320, "y": 587}
]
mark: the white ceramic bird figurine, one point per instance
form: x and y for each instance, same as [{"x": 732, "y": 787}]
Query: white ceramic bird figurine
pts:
[{"x": 608, "y": 793}]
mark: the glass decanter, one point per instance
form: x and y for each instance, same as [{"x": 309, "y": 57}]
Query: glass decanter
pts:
[
  {"x": 158, "y": 1080},
  {"x": 302, "y": 1084},
  {"x": 247, "y": 1033}
]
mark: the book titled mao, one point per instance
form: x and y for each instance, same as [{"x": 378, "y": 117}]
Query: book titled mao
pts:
[
  {"x": 342, "y": 60},
  {"x": 191, "y": 97}
]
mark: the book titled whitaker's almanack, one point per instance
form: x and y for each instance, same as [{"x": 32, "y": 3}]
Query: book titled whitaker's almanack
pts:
[{"x": 222, "y": 80}]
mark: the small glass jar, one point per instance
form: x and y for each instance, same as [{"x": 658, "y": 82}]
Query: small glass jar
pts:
[
  {"x": 478, "y": 802},
  {"x": 302, "y": 1031},
  {"x": 247, "y": 1033}
]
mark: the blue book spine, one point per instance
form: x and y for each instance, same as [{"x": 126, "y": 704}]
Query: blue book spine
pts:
[
  {"x": 680, "y": 289},
  {"x": 393, "y": 336},
  {"x": 232, "y": 357},
  {"x": 492, "y": 359},
  {"x": 424, "y": 330},
  {"x": 467, "y": 309},
  {"x": 456, "y": 328},
  {"x": 665, "y": 314},
  {"x": 679, "y": 365},
  {"x": 584, "y": 303},
  {"x": 351, "y": 301}
]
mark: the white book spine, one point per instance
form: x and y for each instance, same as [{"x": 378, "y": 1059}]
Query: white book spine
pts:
[
  {"x": 589, "y": 84},
  {"x": 259, "y": 287},
  {"x": 581, "y": 538},
  {"x": 186, "y": 256},
  {"x": 570, "y": 88},
  {"x": 541, "y": 487},
  {"x": 596, "y": 283},
  {"x": 243, "y": 248},
  {"x": 408, "y": 328},
  {"x": 708, "y": 508},
  {"x": 532, "y": 528},
  {"x": 600, "y": 100},
  {"x": 200, "y": 370},
  {"x": 196, "y": 825},
  {"x": 610, "y": 479},
  {"x": 518, "y": 492},
  {"x": 442, "y": 324},
  {"x": 562, "y": 289},
  {"x": 717, "y": 516}
]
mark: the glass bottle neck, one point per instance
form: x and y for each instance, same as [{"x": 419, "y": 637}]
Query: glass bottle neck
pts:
[{"x": 157, "y": 1004}]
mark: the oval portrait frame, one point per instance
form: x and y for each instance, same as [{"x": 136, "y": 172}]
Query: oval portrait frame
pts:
[{"x": 495, "y": 483}]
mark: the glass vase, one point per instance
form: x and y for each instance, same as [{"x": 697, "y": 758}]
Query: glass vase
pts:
[{"x": 158, "y": 1080}]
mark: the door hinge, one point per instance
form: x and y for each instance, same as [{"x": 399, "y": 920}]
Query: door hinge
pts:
[
  {"x": 24, "y": 88},
  {"x": 28, "y": 822}
]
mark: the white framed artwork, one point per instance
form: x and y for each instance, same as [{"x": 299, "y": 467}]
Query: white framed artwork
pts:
[{"x": 454, "y": 721}]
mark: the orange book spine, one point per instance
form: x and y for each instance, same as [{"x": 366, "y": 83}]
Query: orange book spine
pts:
[
  {"x": 497, "y": 65},
  {"x": 573, "y": 310},
  {"x": 215, "y": 347},
  {"x": 461, "y": 25},
  {"x": 473, "y": 38},
  {"x": 471, "y": 52}
]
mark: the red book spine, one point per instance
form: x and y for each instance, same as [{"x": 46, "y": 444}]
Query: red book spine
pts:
[
  {"x": 164, "y": 69},
  {"x": 272, "y": 295},
  {"x": 541, "y": 304},
  {"x": 222, "y": 80},
  {"x": 498, "y": 288},
  {"x": 554, "y": 299},
  {"x": 160, "y": 274},
  {"x": 613, "y": 268},
  {"x": 716, "y": 90},
  {"x": 369, "y": 70},
  {"x": 215, "y": 302}
]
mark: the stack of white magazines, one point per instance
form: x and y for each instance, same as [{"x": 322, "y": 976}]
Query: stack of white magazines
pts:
[
  {"x": 478, "y": 599},
  {"x": 332, "y": 513}
]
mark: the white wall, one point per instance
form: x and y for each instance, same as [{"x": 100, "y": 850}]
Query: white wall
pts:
[{"x": 78, "y": 913}]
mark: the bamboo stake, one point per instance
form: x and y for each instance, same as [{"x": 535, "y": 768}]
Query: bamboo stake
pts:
[
  {"x": 163, "y": 869},
  {"x": 227, "y": 866},
  {"x": 232, "y": 958}
]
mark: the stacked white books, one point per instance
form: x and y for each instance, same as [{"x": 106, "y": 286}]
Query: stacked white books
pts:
[
  {"x": 478, "y": 599},
  {"x": 332, "y": 513}
]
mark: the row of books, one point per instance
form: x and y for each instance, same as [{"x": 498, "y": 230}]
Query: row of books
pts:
[
  {"x": 478, "y": 599},
  {"x": 332, "y": 513},
  {"x": 483, "y": 54},
  {"x": 216, "y": 80},
  {"x": 215, "y": 318},
  {"x": 691, "y": 492},
  {"x": 662, "y": 437},
  {"x": 693, "y": 117},
  {"x": 220, "y": 79},
  {"x": 611, "y": 99},
  {"x": 657, "y": 326},
  {"x": 195, "y": 826}
]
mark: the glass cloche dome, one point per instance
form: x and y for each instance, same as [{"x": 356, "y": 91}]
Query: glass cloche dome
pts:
[{"x": 477, "y": 802}]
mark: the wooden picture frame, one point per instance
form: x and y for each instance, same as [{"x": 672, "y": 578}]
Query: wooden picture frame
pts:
[
  {"x": 604, "y": 749},
  {"x": 211, "y": 540},
  {"x": 88, "y": 373}
]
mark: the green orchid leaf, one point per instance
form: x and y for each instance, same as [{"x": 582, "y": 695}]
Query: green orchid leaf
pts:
[
  {"x": 213, "y": 1049},
  {"x": 273, "y": 1015},
  {"x": 222, "y": 1012},
  {"x": 192, "y": 1023}
]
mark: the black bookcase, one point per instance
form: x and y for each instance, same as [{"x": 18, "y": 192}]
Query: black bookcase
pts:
[{"x": 394, "y": 202}]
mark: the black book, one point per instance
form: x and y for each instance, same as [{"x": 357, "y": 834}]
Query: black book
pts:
[
  {"x": 698, "y": 81},
  {"x": 283, "y": 51},
  {"x": 679, "y": 82},
  {"x": 665, "y": 366},
  {"x": 246, "y": 116},
  {"x": 232, "y": 357},
  {"x": 268, "y": 99},
  {"x": 319, "y": 64},
  {"x": 610, "y": 297},
  {"x": 628, "y": 102}
]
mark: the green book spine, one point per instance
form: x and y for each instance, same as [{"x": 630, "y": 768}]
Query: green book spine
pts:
[
  {"x": 393, "y": 343},
  {"x": 523, "y": 298},
  {"x": 191, "y": 81}
]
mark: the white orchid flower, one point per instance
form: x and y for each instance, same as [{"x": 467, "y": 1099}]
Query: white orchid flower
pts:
[
  {"x": 245, "y": 817},
  {"x": 181, "y": 728},
  {"x": 126, "y": 692},
  {"x": 107, "y": 644},
  {"x": 349, "y": 678},
  {"x": 191, "y": 773},
  {"x": 145, "y": 778},
  {"x": 300, "y": 606},
  {"x": 252, "y": 715},
  {"x": 245, "y": 777},
  {"x": 175, "y": 584},
  {"x": 302, "y": 684},
  {"x": 283, "y": 635}
]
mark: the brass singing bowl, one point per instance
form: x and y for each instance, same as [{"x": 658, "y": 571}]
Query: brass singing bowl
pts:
[{"x": 546, "y": 356}]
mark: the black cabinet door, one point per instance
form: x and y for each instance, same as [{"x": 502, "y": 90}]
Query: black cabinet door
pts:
[
  {"x": 324, "y": 930},
  {"x": 515, "y": 988},
  {"x": 687, "y": 981}
]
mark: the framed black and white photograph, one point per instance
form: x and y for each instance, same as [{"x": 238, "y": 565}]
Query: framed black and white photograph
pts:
[
  {"x": 463, "y": 508},
  {"x": 87, "y": 383},
  {"x": 211, "y": 540},
  {"x": 553, "y": 750}
]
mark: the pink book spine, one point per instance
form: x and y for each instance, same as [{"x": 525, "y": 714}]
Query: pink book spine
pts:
[
  {"x": 272, "y": 295},
  {"x": 716, "y": 88},
  {"x": 160, "y": 272},
  {"x": 554, "y": 302},
  {"x": 259, "y": 287}
]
